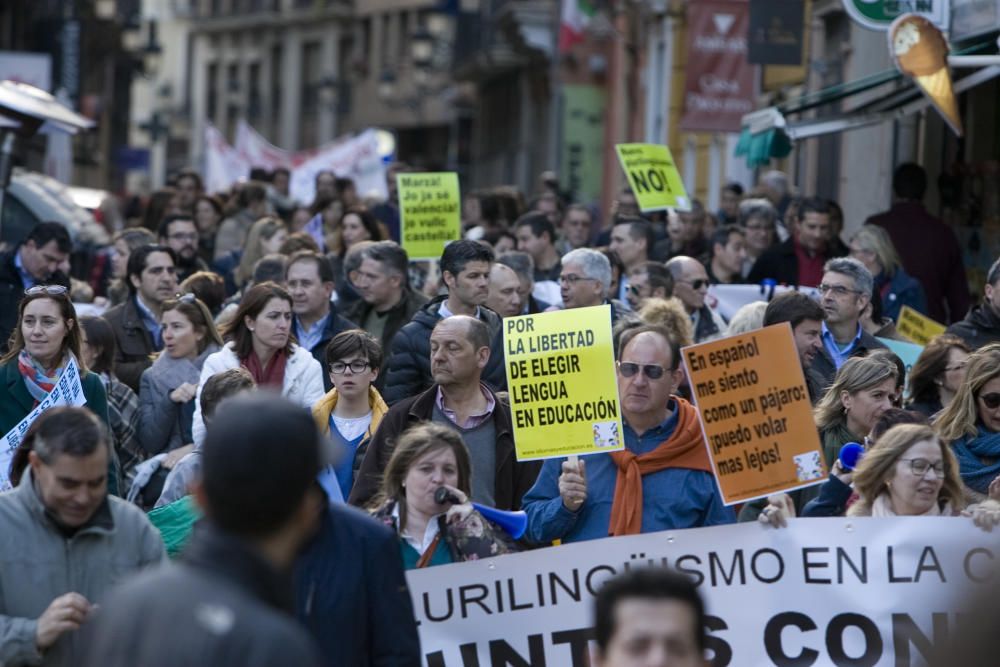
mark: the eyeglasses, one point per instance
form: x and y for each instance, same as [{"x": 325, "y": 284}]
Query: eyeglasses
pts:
[
  {"x": 696, "y": 284},
  {"x": 182, "y": 236},
  {"x": 838, "y": 290},
  {"x": 991, "y": 400},
  {"x": 53, "y": 290},
  {"x": 573, "y": 279},
  {"x": 186, "y": 298},
  {"x": 919, "y": 467},
  {"x": 651, "y": 371},
  {"x": 339, "y": 367}
]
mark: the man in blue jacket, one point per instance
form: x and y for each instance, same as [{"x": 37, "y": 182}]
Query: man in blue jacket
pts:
[
  {"x": 591, "y": 500},
  {"x": 351, "y": 593}
]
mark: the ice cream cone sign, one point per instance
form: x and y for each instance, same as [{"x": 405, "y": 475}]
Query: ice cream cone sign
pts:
[{"x": 921, "y": 53}]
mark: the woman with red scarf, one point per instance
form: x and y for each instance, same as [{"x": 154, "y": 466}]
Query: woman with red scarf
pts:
[
  {"x": 259, "y": 338},
  {"x": 46, "y": 339}
]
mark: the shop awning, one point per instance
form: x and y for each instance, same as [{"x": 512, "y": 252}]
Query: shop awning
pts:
[{"x": 769, "y": 133}]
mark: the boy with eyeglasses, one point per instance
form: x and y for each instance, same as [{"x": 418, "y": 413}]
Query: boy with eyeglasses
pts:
[
  {"x": 662, "y": 480},
  {"x": 352, "y": 411}
]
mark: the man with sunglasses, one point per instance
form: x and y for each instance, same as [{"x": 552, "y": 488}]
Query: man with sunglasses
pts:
[
  {"x": 690, "y": 287},
  {"x": 35, "y": 261},
  {"x": 662, "y": 480},
  {"x": 845, "y": 292}
]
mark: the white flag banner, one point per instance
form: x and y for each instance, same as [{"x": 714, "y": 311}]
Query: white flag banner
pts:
[
  {"x": 727, "y": 299},
  {"x": 68, "y": 391},
  {"x": 874, "y": 592},
  {"x": 357, "y": 158}
]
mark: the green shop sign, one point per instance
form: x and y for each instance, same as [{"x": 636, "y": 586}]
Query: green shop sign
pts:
[{"x": 878, "y": 14}]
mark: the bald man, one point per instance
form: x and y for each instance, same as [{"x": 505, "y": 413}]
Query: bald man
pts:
[
  {"x": 691, "y": 286},
  {"x": 504, "y": 297}
]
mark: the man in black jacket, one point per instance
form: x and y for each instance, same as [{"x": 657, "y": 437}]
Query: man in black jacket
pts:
[
  {"x": 34, "y": 262},
  {"x": 387, "y": 301},
  {"x": 800, "y": 259},
  {"x": 459, "y": 352},
  {"x": 309, "y": 278},
  {"x": 465, "y": 269},
  {"x": 981, "y": 325},
  {"x": 229, "y": 600}
]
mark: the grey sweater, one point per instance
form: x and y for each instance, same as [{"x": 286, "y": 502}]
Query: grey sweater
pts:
[{"x": 38, "y": 563}]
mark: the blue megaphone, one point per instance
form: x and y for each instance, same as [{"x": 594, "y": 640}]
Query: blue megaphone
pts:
[
  {"x": 850, "y": 454},
  {"x": 513, "y": 523}
]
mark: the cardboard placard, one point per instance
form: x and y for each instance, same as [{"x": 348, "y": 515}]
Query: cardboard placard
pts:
[
  {"x": 562, "y": 383},
  {"x": 653, "y": 177},
  {"x": 918, "y": 328},
  {"x": 755, "y": 413},
  {"x": 430, "y": 212}
]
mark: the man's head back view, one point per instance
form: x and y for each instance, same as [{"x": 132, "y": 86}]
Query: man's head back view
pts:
[{"x": 259, "y": 462}]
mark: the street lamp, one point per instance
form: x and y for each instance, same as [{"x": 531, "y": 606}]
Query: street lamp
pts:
[
  {"x": 152, "y": 52},
  {"x": 422, "y": 48}
]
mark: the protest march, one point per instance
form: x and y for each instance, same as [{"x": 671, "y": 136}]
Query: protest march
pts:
[{"x": 499, "y": 334}]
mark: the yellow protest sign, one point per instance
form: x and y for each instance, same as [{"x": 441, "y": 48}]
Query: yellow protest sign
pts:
[
  {"x": 562, "y": 383},
  {"x": 755, "y": 413},
  {"x": 918, "y": 328},
  {"x": 430, "y": 212},
  {"x": 653, "y": 177}
]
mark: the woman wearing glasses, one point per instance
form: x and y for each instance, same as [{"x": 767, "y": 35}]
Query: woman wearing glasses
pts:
[
  {"x": 168, "y": 387},
  {"x": 971, "y": 423},
  {"x": 352, "y": 411},
  {"x": 259, "y": 338},
  {"x": 938, "y": 374},
  {"x": 909, "y": 471},
  {"x": 46, "y": 338}
]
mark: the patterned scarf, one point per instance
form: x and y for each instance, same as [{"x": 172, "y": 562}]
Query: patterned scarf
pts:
[
  {"x": 39, "y": 381},
  {"x": 978, "y": 459}
]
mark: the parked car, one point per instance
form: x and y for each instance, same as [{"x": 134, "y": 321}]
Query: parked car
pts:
[{"x": 32, "y": 197}]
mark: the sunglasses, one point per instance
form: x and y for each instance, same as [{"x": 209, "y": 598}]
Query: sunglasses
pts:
[
  {"x": 651, "y": 371},
  {"x": 54, "y": 290},
  {"x": 991, "y": 400},
  {"x": 696, "y": 284}
]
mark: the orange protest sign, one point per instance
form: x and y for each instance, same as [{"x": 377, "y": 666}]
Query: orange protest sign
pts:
[{"x": 755, "y": 413}]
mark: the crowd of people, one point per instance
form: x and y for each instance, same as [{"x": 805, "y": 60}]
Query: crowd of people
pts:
[{"x": 275, "y": 389}]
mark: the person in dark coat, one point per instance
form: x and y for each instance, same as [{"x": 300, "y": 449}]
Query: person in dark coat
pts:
[
  {"x": 913, "y": 231},
  {"x": 981, "y": 325},
  {"x": 800, "y": 259},
  {"x": 152, "y": 279},
  {"x": 309, "y": 277},
  {"x": 465, "y": 269},
  {"x": 461, "y": 348},
  {"x": 34, "y": 262},
  {"x": 228, "y": 601},
  {"x": 351, "y": 594},
  {"x": 387, "y": 301}
]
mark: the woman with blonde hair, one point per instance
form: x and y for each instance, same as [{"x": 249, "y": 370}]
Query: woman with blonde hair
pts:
[
  {"x": 872, "y": 246},
  {"x": 911, "y": 472},
  {"x": 863, "y": 389},
  {"x": 971, "y": 423},
  {"x": 264, "y": 238}
]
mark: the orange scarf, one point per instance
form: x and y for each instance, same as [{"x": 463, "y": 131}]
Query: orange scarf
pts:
[{"x": 684, "y": 449}]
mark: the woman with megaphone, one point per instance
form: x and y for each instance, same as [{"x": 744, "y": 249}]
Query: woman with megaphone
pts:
[{"x": 425, "y": 500}]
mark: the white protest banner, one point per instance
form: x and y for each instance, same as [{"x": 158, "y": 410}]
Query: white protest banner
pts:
[
  {"x": 358, "y": 158},
  {"x": 68, "y": 391},
  {"x": 873, "y": 592},
  {"x": 727, "y": 299},
  {"x": 223, "y": 164}
]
